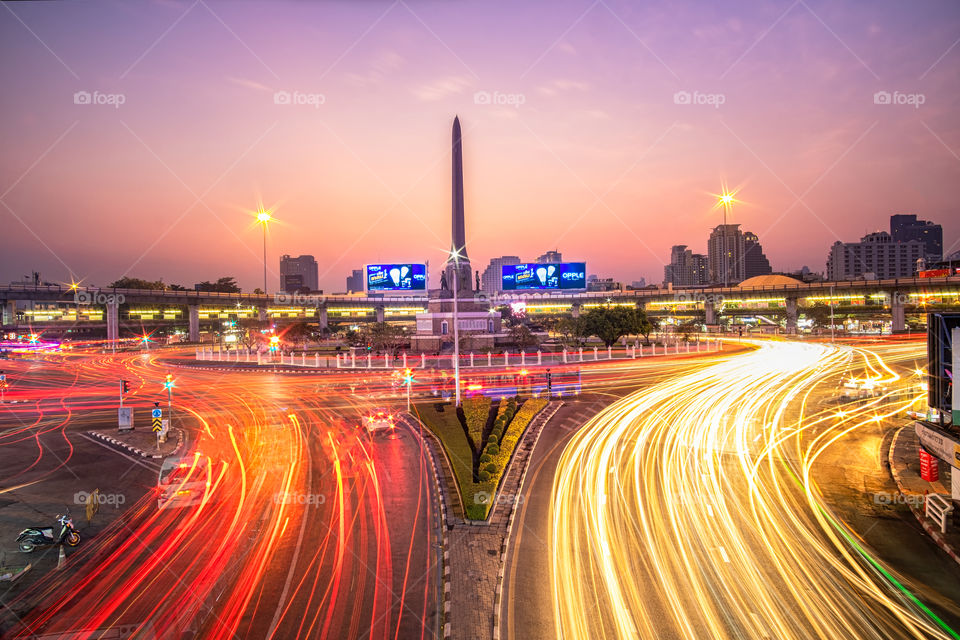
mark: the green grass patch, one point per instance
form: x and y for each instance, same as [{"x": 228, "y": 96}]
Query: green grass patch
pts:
[{"x": 478, "y": 497}]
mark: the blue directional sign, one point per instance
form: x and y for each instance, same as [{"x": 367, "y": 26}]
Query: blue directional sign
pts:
[{"x": 156, "y": 413}]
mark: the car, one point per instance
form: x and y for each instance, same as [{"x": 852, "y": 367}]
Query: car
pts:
[{"x": 379, "y": 420}]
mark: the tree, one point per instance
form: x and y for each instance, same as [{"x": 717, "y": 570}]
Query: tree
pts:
[
  {"x": 573, "y": 331},
  {"x": 226, "y": 284},
  {"x": 127, "y": 282},
  {"x": 521, "y": 336},
  {"x": 177, "y": 287},
  {"x": 647, "y": 326},
  {"x": 258, "y": 291},
  {"x": 298, "y": 333},
  {"x": 386, "y": 337},
  {"x": 251, "y": 331},
  {"x": 819, "y": 314},
  {"x": 611, "y": 323}
]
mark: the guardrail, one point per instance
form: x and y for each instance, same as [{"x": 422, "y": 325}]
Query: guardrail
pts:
[{"x": 938, "y": 509}]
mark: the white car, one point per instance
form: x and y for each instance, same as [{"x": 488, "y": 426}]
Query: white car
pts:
[{"x": 379, "y": 420}]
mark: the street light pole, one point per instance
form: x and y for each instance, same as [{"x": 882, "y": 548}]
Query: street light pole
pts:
[
  {"x": 263, "y": 217},
  {"x": 456, "y": 339}
]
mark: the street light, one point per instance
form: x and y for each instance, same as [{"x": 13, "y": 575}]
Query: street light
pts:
[
  {"x": 725, "y": 200},
  {"x": 263, "y": 217},
  {"x": 455, "y": 256}
]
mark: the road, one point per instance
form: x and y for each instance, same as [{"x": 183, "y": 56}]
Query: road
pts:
[
  {"x": 310, "y": 527},
  {"x": 694, "y": 508}
]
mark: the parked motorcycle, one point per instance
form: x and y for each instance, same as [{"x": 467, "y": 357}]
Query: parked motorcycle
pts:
[{"x": 36, "y": 537}]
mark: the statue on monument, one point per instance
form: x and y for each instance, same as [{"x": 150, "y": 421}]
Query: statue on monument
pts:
[
  {"x": 478, "y": 281},
  {"x": 443, "y": 281}
]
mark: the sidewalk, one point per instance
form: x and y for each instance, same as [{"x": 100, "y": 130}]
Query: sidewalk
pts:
[
  {"x": 905, "y": 466},
  {"x": 474, "y": 552}
]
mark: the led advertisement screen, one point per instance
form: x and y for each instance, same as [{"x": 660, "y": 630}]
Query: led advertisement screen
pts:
[
  {"x": 553, "y": 275},
  {"x": 396, "y": 277}
]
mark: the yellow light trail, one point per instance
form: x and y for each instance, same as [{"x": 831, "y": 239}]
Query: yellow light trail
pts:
[{"x": 689, "y": 510}]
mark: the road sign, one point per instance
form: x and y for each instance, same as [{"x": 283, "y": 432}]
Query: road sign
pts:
[
  {"x": 157, "y": 424},
  {"x": 156, "y": 413},
  {"x": 157, "y": 419}
]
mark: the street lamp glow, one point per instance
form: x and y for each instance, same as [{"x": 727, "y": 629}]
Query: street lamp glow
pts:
[{"x": 264, "y": 216}]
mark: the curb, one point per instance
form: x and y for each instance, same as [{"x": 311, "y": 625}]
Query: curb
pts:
[
  {"x": 544, "y": 416},
  {"x": 933, "y": 532},
  {"x": 445, "y": 541},
  {"x": 135, "y": 450}
]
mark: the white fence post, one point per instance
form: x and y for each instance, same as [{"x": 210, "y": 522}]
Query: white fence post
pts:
[
  {"x": 610, "y": 353},
  {"x": 353, "y": 360},
  {"x": 523, "y": 357},
  {"x": 564, "y": 355},
  {"x": 489, "y": 358},
  {"x": 539, "y": 356},
  {"x": 404, "y": 359},
  {"x": 595, "y": 353},
  {"x": 471, "y": 358},
  {"x": 316, "y": 360},
  {"x": 423, "y": 360},
  {"x": 369, "y": 360},
  {"x": 581, "y": 354},
  {"x": 506, "y": 358},
  {"x": 258, "y": 358}
]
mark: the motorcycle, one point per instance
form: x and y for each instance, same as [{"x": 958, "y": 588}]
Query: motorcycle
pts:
[{"x": 34, "y": 537}]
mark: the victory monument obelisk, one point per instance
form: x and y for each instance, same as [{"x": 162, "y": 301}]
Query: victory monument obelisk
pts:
[
  {"x": 458, "y": 272},
  {"x": 474, "y": 320}
]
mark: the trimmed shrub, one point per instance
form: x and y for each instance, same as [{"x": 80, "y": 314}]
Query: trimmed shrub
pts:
[
  {"x": 493, "y": 449},
  {"x": 492, "y": 440},
  {"x": 485, "y": 475},
  {"x": 491, "y": 468},
  {"x": 485, "y": 458}
]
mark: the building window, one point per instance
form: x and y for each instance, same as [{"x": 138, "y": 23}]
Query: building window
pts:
[
  {"x": 489, "y": 326},
  {"x": 444, "y": 328}
]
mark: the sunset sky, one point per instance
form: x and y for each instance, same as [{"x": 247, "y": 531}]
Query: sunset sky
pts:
[{"x": 586, "y": 147}]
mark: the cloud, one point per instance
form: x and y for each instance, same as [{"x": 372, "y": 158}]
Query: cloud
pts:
[
  {"x": 442, "y": 88},
  {"x": 560, "y": 85},
  {"x": 381, "y": 66},
  {"x": 249, "y": 84}
]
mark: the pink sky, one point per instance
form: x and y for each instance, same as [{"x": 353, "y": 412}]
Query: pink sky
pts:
[{"x": 599, "y": 160}]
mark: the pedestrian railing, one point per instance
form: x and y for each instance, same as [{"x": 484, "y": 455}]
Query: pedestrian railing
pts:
[{"x": 939, "y": 509}]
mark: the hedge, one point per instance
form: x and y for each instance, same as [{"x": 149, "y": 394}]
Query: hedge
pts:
[{"x": 476, "y": 410}]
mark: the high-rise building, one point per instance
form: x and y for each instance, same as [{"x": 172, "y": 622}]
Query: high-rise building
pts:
[
  {"x": 550, "y": 256},
  {"x": 355, "y": 282},
  {"x": 904, "y": 228},
  {"x": 298, "y": 274},
  {"x": 725, "y": 251},
  {"x": 700, "y": 266},
  {"x": 686, "y": 268},
  {"x": 490, "y": 281},
  {"x": 875, "y": 256},
  {"x": 755, "y": 263}
]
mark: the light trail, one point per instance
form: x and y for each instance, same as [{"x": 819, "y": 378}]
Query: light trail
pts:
[{"x": 690, "y": 509}]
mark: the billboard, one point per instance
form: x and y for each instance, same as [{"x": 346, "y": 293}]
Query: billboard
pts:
[
  {"x": 396, "y": 277},
  {"x": 547, "y": 276}
]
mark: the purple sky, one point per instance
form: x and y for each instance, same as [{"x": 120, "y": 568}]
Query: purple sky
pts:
[{"x": 588, "y": 151}]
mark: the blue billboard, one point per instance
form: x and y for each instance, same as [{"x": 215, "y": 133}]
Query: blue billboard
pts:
[
  {"x": 396, "y": 277},
  {"x": 552, "y": 275}
]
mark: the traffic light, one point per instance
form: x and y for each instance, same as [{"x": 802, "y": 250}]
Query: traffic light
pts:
[
  {"x": 168, "y": 383},
  {"x": 408, "y": 376},
  {"x": 124, "y": 386}
]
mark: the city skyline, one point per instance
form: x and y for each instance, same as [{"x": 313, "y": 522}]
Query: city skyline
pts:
[{"x": 166, "y": 146}]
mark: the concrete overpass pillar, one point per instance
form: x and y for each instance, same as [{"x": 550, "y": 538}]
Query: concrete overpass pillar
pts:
[
  {"x": 113, "y": 323},
  {"x": 575, "y": 310},
  {"x": 9, "y": 313},
  {"x": 709, "y": 313},
  {"x": 193, "y": 331},
  {"x": 791, "y": 315},
  {"x": 262, "y": 314},
  {"x": 380, "y": 313},
  {"x": 899, "y": 320},
  {"x": 322, "y": 317}
]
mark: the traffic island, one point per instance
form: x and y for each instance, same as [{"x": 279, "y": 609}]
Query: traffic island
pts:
[
  {"x": 913, "y": 489},
  {"x": 142, "y": 442}
]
